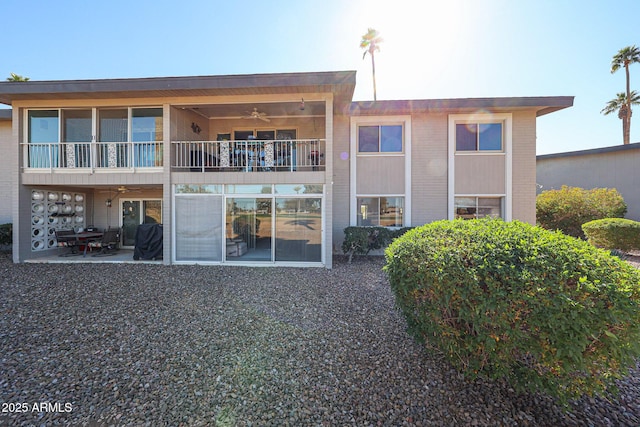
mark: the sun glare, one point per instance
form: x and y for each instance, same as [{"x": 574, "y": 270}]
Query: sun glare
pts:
[{"x": 420, "y": 41}]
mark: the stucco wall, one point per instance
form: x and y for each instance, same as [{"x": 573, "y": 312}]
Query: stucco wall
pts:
[
  {"x": 340, "y": 186},
  {"x": 428, "y": 168},
  {"x": 524, "y": 167},
  {"x": 6, "y": 166}
]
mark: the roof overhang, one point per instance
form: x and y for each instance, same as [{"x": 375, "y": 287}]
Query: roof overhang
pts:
[
  {"x": 340, "y": 83},
  {"x": 591, "y": 151},
  {"x": 541, "y": 104}
]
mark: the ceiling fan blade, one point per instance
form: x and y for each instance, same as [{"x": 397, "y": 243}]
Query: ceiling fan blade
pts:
[{"x": 264, "y": 119}]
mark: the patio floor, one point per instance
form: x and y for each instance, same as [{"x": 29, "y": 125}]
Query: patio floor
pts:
[{"x": 120, "y": 256}]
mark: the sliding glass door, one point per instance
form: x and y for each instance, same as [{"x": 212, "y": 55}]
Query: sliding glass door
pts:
[
  {"x": 136, "y": 212},
  {"x": 248, "y": 223},
  {"x": 248, "y": 229},
  {"x": 298, "y": 229}
]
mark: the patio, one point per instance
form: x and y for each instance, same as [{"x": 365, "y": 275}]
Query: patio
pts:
[{"x": 117, "y": 257}]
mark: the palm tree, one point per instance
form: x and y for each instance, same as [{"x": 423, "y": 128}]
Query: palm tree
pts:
[
  {"x": 17, "y": 78},
  {"x": 623, "y": 107},
  {"x": 624, "y": 58},
  {"x": 370, "y": 42}
]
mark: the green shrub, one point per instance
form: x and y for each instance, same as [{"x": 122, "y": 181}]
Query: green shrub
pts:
[
  {"x": 362, "y": 240},
  {"x": 613, "y": 233},
  {"x": 507, "y": 300},
  {"x": 6, "y": 234},
  {"x": 570, "y": 207}
]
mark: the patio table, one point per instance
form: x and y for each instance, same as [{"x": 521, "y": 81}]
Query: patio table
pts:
[{"x": 85, "y": 237}]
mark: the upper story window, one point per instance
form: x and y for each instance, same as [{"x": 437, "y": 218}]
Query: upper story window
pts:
[
  {"x": 479, "y": 137},
  {"x": 122, "y": 137},
  {"x": 43, "y": 126},
  {"x": 380, "y": 139},
  {"x": 146, "y": 125}
]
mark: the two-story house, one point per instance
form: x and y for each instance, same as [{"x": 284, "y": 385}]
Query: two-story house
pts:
[{"x": 264, "y": 169}]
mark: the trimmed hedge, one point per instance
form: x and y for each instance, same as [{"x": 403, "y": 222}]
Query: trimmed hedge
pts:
[
  {"x": 570, "y": 207},
  {"x": 6, "y": 234},
  {"x": 507, "y": 300},
  {"x": 362, "y": 240},
  {"x": 613, "y": 233}
]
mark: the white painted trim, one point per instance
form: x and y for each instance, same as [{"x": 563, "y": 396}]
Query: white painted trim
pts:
[
  {"x": 507, "y": 119},
  {"x": 353, "y": 154}
]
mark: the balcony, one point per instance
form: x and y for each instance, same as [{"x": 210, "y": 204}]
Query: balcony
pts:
[
  {"x": 96, "y": 156},
  {"x": 249, "y": 156}
]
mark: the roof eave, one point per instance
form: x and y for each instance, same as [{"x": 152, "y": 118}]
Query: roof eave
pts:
[
  {"x": 336, "y": 81},
  {"x": 542, "y": 105}
]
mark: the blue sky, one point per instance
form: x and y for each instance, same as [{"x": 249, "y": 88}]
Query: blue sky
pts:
[{"x": 443, "y": 49}]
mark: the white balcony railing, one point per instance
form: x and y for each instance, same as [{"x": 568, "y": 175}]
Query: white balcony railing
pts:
[
  {"x": 96, "y": 155},
  {"x": 249, "y": 156}
]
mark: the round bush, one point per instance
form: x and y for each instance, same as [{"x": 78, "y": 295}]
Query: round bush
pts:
[
  {"x": 507, "y": 300},
  {"x": 570, "y": 207},
  {"x": 613, "y": 233}
]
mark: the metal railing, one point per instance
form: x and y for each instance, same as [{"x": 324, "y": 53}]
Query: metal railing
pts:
[
  {"x": 249, "y": 156},
  {"x": 96, "y": 155}
]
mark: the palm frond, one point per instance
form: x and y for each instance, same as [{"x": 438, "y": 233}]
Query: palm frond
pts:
[
  {"x": 620, "y": 100},
  {"x": 625, "y": 56}
]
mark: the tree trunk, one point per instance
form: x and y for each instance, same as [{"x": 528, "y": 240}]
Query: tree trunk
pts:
[
  {"x": 624, "y": 114},
  {"x": 373, "y": 68},
  {"x": 627, "y": 135},
  {"x": 627, "y": 128}
]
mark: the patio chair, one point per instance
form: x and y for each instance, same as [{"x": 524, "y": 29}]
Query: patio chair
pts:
[
  {"x": 109, "y": 244},
  {"x": 68, "y": 239}
]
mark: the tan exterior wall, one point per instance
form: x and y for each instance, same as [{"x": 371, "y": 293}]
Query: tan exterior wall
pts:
[
  {"x": 618, "y": 169},
  {"x": 524, "y": 167},
  {"x": 429, "y": 168},
  {"x": 480, "y": 174},
  {"x": 380, "y": 175},
  {"x": 181, "y": 125},
  {"x": 340, "y": 183},
  {"x": 6, "y": 166}
]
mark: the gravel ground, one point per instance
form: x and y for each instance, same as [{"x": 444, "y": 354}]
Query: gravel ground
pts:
[{"x": 155, "y": 345}]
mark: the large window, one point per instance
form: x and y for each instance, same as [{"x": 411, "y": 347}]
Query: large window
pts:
[
  {"x": 380, "y": 211},
  {"x": 478, "y": 207},
  {"x": 123, "y": 137},
  {"x": 479, "y": 137},
  {"x": 139, "y": 145},
  {"x": 146, "y": 133},
  {"x": 380, "y": 139},
  {"x": 77, "y": 135},
  {"x": 43, "y": 131}
]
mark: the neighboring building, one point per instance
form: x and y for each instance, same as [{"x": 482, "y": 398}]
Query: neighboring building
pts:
[
  {"x": 609, "y": 167},
  {"x": 257, "y": 169},
  {"x": 6, "y": 185}
]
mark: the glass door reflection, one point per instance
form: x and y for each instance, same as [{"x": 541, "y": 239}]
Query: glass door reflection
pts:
[
  {"x": 248, "y": 229},
  {"x": 298, "y": 229}
]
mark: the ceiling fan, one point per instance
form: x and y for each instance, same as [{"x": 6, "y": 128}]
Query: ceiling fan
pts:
[
  {"x": 121, "y": 190},
  {"x": 255, "y": 114}
]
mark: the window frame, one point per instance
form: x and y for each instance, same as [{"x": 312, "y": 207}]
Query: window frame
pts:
[
  {"x": 506, "y": 153},
  {"x": 379, "y": 197},
  {"x": 380, "y": 124},
  {"x": 479, "y": 122},
  {"x": 476, "y": 207}
]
